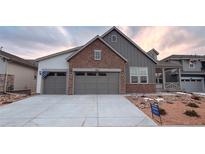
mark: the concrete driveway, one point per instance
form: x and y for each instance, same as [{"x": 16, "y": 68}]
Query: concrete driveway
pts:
[{"x": 76, "y": 110}]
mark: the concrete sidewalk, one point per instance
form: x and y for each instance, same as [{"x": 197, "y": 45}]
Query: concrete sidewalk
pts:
[{"x": 74, "y": 110}]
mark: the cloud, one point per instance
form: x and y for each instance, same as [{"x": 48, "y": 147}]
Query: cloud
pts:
[
  {"x": 171, "y": 40},
  {"x": 33, "y": 42},
  {"x": 30, "y": 42}
]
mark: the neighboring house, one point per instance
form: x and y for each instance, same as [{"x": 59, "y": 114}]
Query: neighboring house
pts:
[
  {"x": 107, "y": 64},
  {"x": 16, "y": 74},
  {"x": 192, "y": 71}
]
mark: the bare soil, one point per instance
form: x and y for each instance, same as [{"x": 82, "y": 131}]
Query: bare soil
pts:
[
  {"x": 175, "y": 106},
  {"x": 11, "y": 97}
]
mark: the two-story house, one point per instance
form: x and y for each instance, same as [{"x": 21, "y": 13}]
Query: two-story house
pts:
[{"x": 192, "y": 71}]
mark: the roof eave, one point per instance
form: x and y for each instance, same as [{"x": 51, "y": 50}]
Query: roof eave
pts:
[{"x": 57, "y": 54}]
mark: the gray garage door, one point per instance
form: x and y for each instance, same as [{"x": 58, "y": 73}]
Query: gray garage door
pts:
[
  {"x": 192, "y": 85},
  {"x": 96, "y": 83},
  {"x": 55, "y": 83}
]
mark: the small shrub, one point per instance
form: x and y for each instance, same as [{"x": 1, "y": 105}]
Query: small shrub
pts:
[
  {"x": 159, "y": 96},
  {"x": 191, "y": 113},
  {"x": 195, "y": 97},
  {"x": 170, "y": 102},
  {"x": 162, "y": 111},
  {"x": 193, "y": 105}
]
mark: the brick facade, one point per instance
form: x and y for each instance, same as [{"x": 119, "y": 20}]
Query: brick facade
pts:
[
  {"x": 85, "y": 59},
  {"x": 140, "y": 88},
  {"x": 10, "y": 82}
]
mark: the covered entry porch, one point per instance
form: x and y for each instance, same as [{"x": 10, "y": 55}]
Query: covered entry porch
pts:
[{"x": 168, "y": 76}]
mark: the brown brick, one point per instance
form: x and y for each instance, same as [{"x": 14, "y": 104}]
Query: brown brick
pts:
[
  {"x": 140, "y": 88},
  {"x": 85, "y": 59}
]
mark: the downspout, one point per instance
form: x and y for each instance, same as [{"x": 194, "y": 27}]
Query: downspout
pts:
[
  {"x": 5, "y": 79},
  {"x": 180, "y": 79}
]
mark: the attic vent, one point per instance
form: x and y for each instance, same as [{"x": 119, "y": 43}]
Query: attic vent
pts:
[{"x": 113, "y": 38}]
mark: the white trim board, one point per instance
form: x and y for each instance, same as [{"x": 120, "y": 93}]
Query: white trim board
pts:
[{"x": 96, "y": 70}]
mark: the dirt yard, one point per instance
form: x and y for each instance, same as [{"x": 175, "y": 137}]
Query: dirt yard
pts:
[
  {"x": 174, "y": 108},
  {"x": 11, "y": 97}
]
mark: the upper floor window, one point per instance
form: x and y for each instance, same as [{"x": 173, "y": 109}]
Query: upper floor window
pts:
[
  {"x": 97, "y": 54},
  {"x": 138, "y": 75},
  {"x": 191, "y": 64},
  {"x": 114, "y": 38}
]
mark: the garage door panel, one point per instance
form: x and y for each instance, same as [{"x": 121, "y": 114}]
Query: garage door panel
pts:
[
  {"x": 102, "y": 83},
  {"x": 55, "y": 85},
  {"x": 192, "y": 85}
]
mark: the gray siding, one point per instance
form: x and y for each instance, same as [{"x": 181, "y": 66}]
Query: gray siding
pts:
[
  {"x": 132, "y": 54},
  {"x": 185, "y": 64}
]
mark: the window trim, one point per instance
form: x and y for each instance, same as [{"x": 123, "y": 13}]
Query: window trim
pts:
[
  {"x": 138, "y": 76},
  {"x": 112, "y": 38},
  {"x": 100, "y": 54}
]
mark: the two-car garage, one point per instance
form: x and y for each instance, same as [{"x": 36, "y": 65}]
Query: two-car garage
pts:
[{"x": 96, "y": 83}]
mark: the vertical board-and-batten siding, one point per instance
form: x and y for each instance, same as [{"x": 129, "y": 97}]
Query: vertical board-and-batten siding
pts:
[{"x": 132, "y": 54}]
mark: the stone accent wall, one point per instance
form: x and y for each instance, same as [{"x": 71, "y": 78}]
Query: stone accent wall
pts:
[
  {"x": 141, "y": 88},
  {"x": 10, "y": 82},
  {"x": 85, "y": 59}
]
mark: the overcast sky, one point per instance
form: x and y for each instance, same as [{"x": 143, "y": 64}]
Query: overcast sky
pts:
[{"x": 34, "y": 42}]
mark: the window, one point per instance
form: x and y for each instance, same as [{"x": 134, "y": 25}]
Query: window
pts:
[
  {"x": 61, "y": 73},
  {"x": 51, "y": 74},
  {"x": 97, "y": 54},
  {"x": 113, "y": 38},
  {"x": 102, "y": 74},
  {"x": 91, "y": 74},
  {"x": 138, "y": 75},
  {"x": 79, "y": 73},
  {"x": 143, "y": 79},
  {"x": 191, "y": 64},
  {"x": 134, "y": 79}
]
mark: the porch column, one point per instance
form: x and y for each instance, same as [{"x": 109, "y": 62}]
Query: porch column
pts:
[
  {"x": 180, "y": 78},
  {"x": 163, "y": 78}
]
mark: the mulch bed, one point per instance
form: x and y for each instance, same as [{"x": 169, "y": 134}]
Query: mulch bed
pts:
[
  {"x": 175, "y": 107},
  {"x": 11, "y": 97}
]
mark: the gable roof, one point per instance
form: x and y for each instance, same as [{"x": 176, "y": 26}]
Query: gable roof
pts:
[
  {"x": 132, "y": 42},
  {"x": 184, "y": 57},
  {"x": 58, "y": 53},
  {"x": 91, "y": 41},
  {"x": 16, "y": 59}
]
